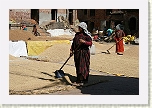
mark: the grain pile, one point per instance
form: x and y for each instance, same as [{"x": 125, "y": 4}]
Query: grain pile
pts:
[
  {"x": 56, "y": 53},
  {"x": 21, "y": 35},
  {"x": 133, "y": 51},
  {"x": 37, "y": 77},
  {"x": 127, "y": 65},
  {"x": 12, "y": 57},
  {"x": 111, "y": 63},
  {"x": 16, "y": 34},
  {"x": 62, "y": 37}
]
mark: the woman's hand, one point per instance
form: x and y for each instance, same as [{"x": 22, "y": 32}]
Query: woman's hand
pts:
[
  {"x": 71, "y": 53},
  {"x": 82, "y": 41}
]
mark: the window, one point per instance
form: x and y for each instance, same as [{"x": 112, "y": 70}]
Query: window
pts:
[{"x": 92, "y": 12}]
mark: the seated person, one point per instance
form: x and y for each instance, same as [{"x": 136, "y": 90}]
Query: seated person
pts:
[{"x": 24, "y": 27}]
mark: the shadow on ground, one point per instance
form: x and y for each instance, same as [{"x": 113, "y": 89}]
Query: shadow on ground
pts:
[
  {"x": 97, "y": 85},
  {"x": 109, "y": 85}
]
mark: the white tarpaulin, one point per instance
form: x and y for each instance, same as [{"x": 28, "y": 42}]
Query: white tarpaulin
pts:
[
  {"x": 17, "y": 49},
  {"x": 58, "y": 32}
]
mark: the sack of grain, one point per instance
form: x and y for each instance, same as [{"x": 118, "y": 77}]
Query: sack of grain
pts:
[{"x": 92, "y": 49}]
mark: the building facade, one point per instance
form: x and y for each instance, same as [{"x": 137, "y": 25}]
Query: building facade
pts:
[
  {"x": 95, "y": 18},
  {"x": 109, "y": 18},
  {"x": 129, "y": 18}
]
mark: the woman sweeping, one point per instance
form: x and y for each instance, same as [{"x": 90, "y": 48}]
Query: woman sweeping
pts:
[
  {"x": 119, "y": 34},
  {"x": 82, "y": 41}
]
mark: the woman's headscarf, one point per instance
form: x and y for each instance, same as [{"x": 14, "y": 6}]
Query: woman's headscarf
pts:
[
  {"x": 83, "y": 25},
  {"x": 118, "y": 27}
]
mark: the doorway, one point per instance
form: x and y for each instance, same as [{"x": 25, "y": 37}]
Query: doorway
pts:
[
  {"x": 132, "y": 25},
  {"x": 54, "y": 14},
  {"x": 35, "y": 15},
  {"x": 71, "y": 16}
]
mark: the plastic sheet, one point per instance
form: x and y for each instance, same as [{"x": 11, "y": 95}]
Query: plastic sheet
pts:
[{"x": 17, "y": 48}]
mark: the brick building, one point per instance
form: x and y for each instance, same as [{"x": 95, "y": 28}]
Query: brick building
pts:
[
  {"x": 95, "y": 18},
  {"x": 98, "y": 18},
  {"x": 127, "y": 17},
  {"x": 39, "y": 15}
]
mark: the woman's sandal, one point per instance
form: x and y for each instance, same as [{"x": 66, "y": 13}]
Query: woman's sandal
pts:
[{"x": 75, "y": 84}]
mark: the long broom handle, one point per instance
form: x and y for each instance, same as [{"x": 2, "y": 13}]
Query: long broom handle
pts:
[
  {"x": 115, "y": 44},
  {"x": 65, "y": 62},
  {"x": 69, "y": 57}
]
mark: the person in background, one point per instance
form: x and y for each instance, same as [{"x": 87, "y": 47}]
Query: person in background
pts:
[
  {"x": 24, "y": 27},
  {"x": 34, "y": 30},
  {"x": 82, "y": 41},
  {"x": 104, "y": 31},
  {"x": 109, "y": 32},
  {"x": 119, "y": 34}
]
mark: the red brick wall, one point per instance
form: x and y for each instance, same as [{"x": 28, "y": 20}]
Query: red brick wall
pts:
[
  {"x": 25, "y": 14},
  {"x": 100, "y": 15},
  {"x": 133, "y": 14},
  {"x": 17, "y": 14}
]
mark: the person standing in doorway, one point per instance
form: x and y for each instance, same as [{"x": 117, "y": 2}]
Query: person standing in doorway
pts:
[
  {"x": 34, "y": 30},
  {"x": 119, "y": 34},
  {"x": 82, "y": 41},
  {"x": 36, "y": 33}
]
